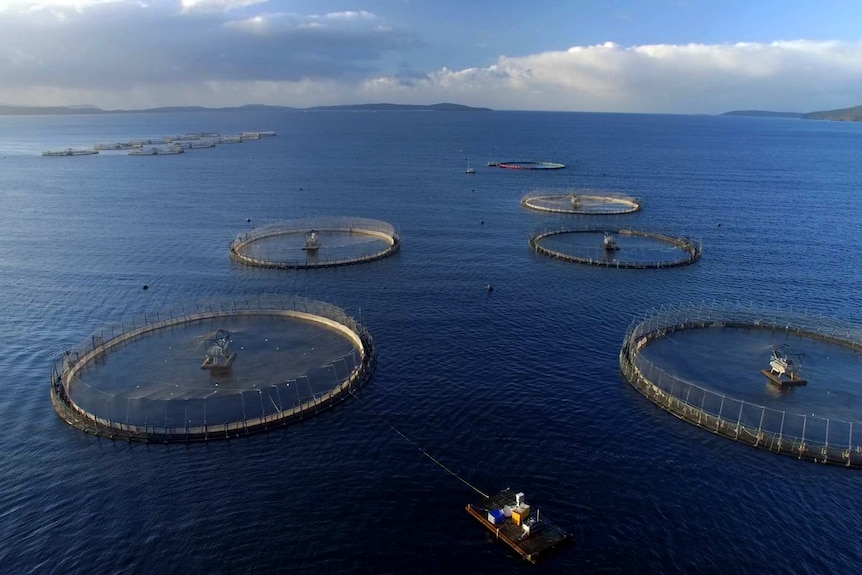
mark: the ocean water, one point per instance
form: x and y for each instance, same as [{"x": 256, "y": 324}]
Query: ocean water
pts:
[{"x": 517, "y": 388}]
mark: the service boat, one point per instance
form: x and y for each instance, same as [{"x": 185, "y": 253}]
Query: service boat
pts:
[
  {"x": 609, "y": 243},
  {"x": 219, "y": 358},
  {"x": 782, "y": 365},
  {"x": 312, "y": 241},
  {"x": 783, "y": 370}
]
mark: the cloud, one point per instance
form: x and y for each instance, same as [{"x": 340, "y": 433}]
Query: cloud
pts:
[
  {"x": 135, "y": 53},
  {"x": 56, "y": 6},
  {"x": 691, "y": 78},
  {"x": 43, "y": 4},
  {"x": 217, "y": 5},
  {"x": 117, "y": 46}
]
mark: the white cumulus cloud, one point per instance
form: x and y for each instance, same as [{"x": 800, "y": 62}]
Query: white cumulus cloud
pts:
[
  {"x": 37, "y": 5},
  {"x": 217, "y": 5},
  {"x": 689, "y": 78}
]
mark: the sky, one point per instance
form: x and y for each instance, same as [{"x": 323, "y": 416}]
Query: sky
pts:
[{"x": 643, "y": 56}]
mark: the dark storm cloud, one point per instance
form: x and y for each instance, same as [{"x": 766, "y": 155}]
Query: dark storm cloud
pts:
[{"x": 125, "y": 45}]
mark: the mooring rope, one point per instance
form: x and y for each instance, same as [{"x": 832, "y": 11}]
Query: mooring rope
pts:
[{"x": 417, "y": 446}]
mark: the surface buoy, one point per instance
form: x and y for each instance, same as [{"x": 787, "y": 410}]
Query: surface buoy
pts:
[
  {"x": 146, "y": 286},
  {"x": 482, "y": 223},
  {"x": 248, "y": 219}
]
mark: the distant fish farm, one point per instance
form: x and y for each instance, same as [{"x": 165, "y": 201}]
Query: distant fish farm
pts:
[
  {"x": 164, "y": 146},
  {"x": 70, "y": 152}
]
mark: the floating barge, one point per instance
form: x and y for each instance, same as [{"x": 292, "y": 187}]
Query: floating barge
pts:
[
  {"x": 783, "y": 381},
  {"x": 511, "y": 520}
]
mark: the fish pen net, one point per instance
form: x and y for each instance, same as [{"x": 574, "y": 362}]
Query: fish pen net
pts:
[
  {"x": 702, "y": 363},
  {"x": 581, "y": 203},
  {"x": 530, "y": 165},
  {"x": 315, "y": 243},
  {"x": 213, "y": 371},
  {"x": 632, "y": 249}
]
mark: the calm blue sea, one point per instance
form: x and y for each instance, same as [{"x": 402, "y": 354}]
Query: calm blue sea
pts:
[{"x": 517, "y": 388}]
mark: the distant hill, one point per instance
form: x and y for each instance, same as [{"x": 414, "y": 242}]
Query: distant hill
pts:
[
  {"x": 853, "y": 114},
  {"x": 40, "y": 110},
  {"x": 170, "y": 109},
  {"x": 6, "y": 110},
  {"x": 764, "y": 113},
  {"x": 444, "y": 107}
]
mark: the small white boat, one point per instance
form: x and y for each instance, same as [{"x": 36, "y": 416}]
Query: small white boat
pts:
[
  {"x": 470, "y": 169},
  {"x": 312, "y": 241},
  {"x": 781, "y": 364},
  {"x": 609, "y": 243}
]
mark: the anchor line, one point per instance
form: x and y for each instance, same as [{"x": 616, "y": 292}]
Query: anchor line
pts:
[{"x": 417, "y": 446}]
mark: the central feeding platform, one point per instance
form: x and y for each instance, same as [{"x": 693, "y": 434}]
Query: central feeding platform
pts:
[
  {"x": 316, "y": 243},
  {"x": 625, "y": 248},
  {"x": 531, "y": 165},
  {"x": 582, "y": 203},
  {"x": 511, "y": 520},
  {"x": 216, "y": 371},
  {"x": 737, "y": 371}
]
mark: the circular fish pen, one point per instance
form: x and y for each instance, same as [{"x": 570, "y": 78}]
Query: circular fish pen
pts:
[
  {"x": 531, "y": 165},
  {"x": 213, "y": 372},
  {"x": 316, "y": 243},
  {"x": 581, "y": 203},
  {"x": 630, "y": 249},
  {"x": 723, "y": 368}
]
